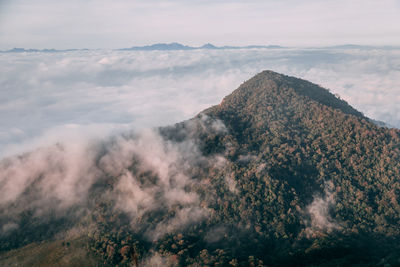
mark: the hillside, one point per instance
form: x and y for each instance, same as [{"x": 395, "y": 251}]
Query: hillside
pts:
[{"x": 280, "y": 173}]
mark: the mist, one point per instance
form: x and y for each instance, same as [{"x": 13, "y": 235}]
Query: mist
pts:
[
  {"x": 149, "y": 173},
  {"x": 318, "y": 214}
]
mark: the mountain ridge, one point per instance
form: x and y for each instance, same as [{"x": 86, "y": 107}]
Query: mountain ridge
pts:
[
  {"x": 174, "y": 46},
  {"x": 178, "y": 46}
]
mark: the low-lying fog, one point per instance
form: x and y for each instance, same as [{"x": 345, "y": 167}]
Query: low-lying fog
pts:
[{"x": 47, "y": 98}]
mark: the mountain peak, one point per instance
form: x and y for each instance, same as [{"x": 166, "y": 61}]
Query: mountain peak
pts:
[
  {"x": 264, "y": 87},
  {"x": 208, "y": 46},
  {"x": 161, "y": 47}
]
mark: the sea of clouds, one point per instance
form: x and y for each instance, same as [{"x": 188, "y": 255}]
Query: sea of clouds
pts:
[{"x": 47, "y": 98}]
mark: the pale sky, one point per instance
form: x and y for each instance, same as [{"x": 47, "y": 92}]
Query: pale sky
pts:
[{"x": 122, "y": 23}]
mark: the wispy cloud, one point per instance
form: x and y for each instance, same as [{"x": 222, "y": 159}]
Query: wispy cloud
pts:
[
  {"x": 318, "y": 213},
  {"x": 150, "y": 174}
]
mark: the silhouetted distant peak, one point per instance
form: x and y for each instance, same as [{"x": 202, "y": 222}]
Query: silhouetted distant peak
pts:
[
  {"x": 161, "y": 46},
  {"x": 178, "y": 46},
  {"x": 208, "y": 46}
]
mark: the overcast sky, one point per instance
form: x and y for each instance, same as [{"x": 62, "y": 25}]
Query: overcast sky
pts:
[{"x": 123, "y": 23}]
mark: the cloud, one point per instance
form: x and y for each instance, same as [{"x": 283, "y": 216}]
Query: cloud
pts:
[
  {"x": 231, "y": 183},
  {"x": 166, "y": 182},
  {"x": 44, "y": 93},
  {"x": 47, "y": 183},
  {"x": 216, "y": 234},
  {"x": 8, "y": 227},
  {"x": 149, "y": 174},
  {"x": 319, "y": 213},
  {"x": 157, "y": 260},
  {"x": 61, "y": 172}
]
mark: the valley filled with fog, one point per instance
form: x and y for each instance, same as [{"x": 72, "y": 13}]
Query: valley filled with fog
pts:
[{"x": 76, "y": 96}]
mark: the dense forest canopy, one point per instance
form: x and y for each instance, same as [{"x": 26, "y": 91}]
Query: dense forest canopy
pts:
[{"x": 281, "y": 172}]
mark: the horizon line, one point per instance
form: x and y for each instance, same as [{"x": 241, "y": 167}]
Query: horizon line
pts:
[{"x": 207, "y": 46}]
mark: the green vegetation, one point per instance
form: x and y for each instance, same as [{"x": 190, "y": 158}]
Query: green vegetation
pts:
[
  {"x": 52, "y": 253},
  {"x": 305, "y": 180}
]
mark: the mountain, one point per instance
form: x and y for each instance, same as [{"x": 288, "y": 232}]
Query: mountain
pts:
[
  {"x": 280, "y": 173},
  {"x": 160, "y": 46},
  {"x": 177, "y": 46},
  {"x": 154, "y": 47},
  {"x": 359, "y": 47},
  {"x": 23, "y": 50},
  {"x": 208, "y": 46}
]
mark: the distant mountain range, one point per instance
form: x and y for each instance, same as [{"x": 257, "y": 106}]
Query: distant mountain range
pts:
[
  {"x": 177, "y": 47},
  {"x": 158, "y": 46},
  {"x": 23, "y": 50}
]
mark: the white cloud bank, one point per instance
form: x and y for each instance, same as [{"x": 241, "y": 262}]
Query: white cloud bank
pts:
[{"x": 47, "y": 97}]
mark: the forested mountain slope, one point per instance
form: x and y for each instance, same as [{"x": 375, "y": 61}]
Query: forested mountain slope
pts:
[{"x": 280, "y": 173}]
